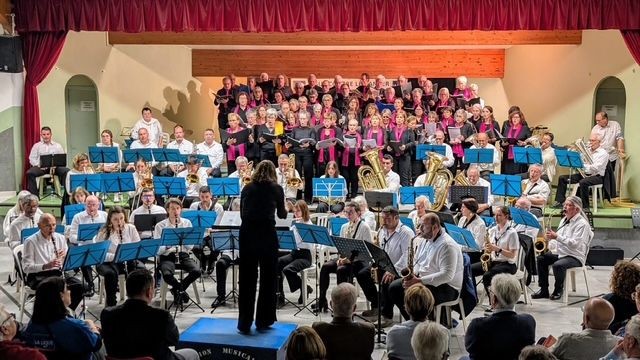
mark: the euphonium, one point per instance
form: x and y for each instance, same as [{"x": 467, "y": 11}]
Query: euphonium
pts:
[
  {"x": 246, "y": 174},
  {"x": 146, "y": 179},
  {"x": 461, "y": 180},
  {"x": 292, "y": 180},
  {"x": 440, "y": 178},
  {"x": 372, "y": 177},
  {"x": 533, "y": 141},
  {"x": 584, "y": 151},
  {"x": 407, "y": 273},
  {"x": 485, "y": 258},
  {"x": 193, "y": 178}
]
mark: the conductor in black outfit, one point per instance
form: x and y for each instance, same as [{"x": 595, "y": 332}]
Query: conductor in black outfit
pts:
[{"x": 259, "y": 246}]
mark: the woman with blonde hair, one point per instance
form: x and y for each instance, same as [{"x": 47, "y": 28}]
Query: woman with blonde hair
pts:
[
  {"x": 305, "y": 344},
  {"x": 418, "y": 302}
]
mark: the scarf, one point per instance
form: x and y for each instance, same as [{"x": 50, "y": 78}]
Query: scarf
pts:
[
  {"x": 240, "y": 148},
  {"x": 513, "y": 133},
  {"x": 347, "y": 151},
  {"x": 457, "y": 148},
  {"x": 331, "y": 150}
]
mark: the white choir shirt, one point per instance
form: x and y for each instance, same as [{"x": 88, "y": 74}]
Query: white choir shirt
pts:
[
  {"x": 574, "y": 237},
  {"x": 440, "y": 262},
  {"x": 20, "y": 223},
  {"x": 41, "y": 148},
  {"x": 39, "y": 251},
  {"x": 396, "y": 243},
  {"x": 143, "y": 210},
  {"x": 505, "y": 239},
  {"x": 393, "y": 182},
  {"x": 84, "y": 218},
  {"x": 549, "y": 162},
  {"x": 214, "y": 151},
  {"x": 217, "y": 208},
  {"x": 289, "y": 192},
  {"x": 153, "y": 127},
  {"x": 600, "y": 161},
  {"x": 610, "y": 135},
  {"x": 496, "y": 159},
  {"x": 363, "y": 231},
  {"x": 485, "y": 183},
  {"x": 129, "y": 235},
  {"x": 115, "y": 145},
  {"x": 193, "y": 189},
  {"x": 185, "y": 147},
  {"x": 157, "y": 234},
  {"x": 536, "y": 190},
  {"x": 477, "y": 227}
]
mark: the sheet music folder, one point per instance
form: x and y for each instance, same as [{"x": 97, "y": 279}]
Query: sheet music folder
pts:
[
  {"x": 147, "y": 222},
  {"x": 478, "y": 156},
  {"x": 422, "y": 150},
  {"x": 506, "y": 185},
  {"x": 568, "y": 158},
  {"x": 51, "y": 160}
]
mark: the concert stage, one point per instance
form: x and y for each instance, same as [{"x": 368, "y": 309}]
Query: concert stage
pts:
[{"x": 218, "y": 338}]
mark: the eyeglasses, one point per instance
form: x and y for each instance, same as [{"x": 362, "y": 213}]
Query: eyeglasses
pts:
[
  {"x": 635, "y": 296},
  {"x": 12, "y": 316}
]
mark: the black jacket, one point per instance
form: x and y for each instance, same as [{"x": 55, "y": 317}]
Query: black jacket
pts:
[{"x": 500, "y": 336}]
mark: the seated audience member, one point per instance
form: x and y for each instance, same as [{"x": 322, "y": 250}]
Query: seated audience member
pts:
[
  {"x": 536, "y": 352},
  {"x": 503, "y": 334},
  {"x": 148, "y": 331},
  {"x": 9, "y": 347},
  {"x": 624, "y": 283},
  {"x": 305, "y": 344},
  {"x": 430, "y": 341},
  {"x": 344, "y": 338},
  {"x": 595, "y": 340},
  {"x": 418, "y": 302},
  {"x": 52, "y": 329},
  {"x": 629, "y": 346},
  {"x": 636, "y": 297}
]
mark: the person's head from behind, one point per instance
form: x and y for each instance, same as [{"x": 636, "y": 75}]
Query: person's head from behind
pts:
[
  {"x": 598, "y": 314},
  {"x": 343, "y": 300},
  {"x": 430, "y": 341},
  {"x": 140, "y": 285},
  {"x": 505, "y": 291},
  {"x": 52, "y": 300},
  {"x": 631, "y": 340},
  {"x": 418, "y": 301},
  {"x": 305, "y": 344},
  {"x": 536, "y": 352},
  {"x": 264, "y": 172},
  {"x": 8, "y": 328},
  {"x": 624, "y": 279}
]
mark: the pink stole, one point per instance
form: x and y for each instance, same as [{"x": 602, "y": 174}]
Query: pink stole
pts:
[
  {"x": 366, "y": 122},
  {"x": 457, "y": 148},
  {"x": 231, "y": 152},
  {"x": 398, "y": 132},
  {"x": 347, "y": 151},
  {"x": 332, "y": 149},
  {"x": 379, "y": 138},
  {"x": 513, "y": 134}
]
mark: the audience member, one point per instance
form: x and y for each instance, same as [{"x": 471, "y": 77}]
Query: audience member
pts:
[
  {"x": 305, "y": 344},
  {"x": 536, "y": 352},
  {"x": 344, "y": 338},
  {"x": 430, "y": 341},
  {"x": 624, "y": 281},
  {"x": 9, "y": 347},
  {"x": 418, "y": 302},
  {"x": 503, "y": 334},
  {"x": 595, "y": 340},
  {"x": 629, "y": 346}
]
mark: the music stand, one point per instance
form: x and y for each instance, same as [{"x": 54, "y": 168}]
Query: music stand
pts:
[
  {"x": 201, "y": 158},
  {"x": 458, "y": 193},
  {"x": 228, "y": 187},
  {"x": 226, "y": 238},
  {"x": 408, "y": 194},
  {"x": 26, "y": 232},
  {"x": 138, "y": 250},
  {"x": 328, "y": 188},
  {"x": 133, "y": 155},
  {"x": 380, "y": 260},
  {"x": 506, "y": 185},
  {"x": 462, "y": 236},
  {"x": 49, "y": 162},
  {"x": 570, "y": 159},
  {"x": 378, "y": 200},
  {"x": 523, "y": 217},
  {"x": 318, "y": 236},
  {"x": 445, "y": 218},
  {"x": 200, "y": 218},
  {"x": 287, "y": 241},
  {"x": 71, "y": 210},
  {"x": 478, "y": 156},
  {"x": 408, "y": 222},
  {"x": 527, "y": 155},
  {"x": 169, "y": 186},
  {"x": 179, "y": 237},
  {"x": 104, "y": 154},
  {"x": 166, "y": 155},
  {"x": 86, "y": 232},
  {"x": 117, "y": 183},
  {"x": 488, "y": 221},
  {"x": 86, "y": 255},
  {"x": 423, "y": 150},
  {"x": 147, "y": 222},
  {"x": 335, "y": 224},
  {"x": 90, "y": 182}
]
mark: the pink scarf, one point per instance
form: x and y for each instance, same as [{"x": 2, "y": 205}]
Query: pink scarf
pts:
[
  {"x": 379, "y": 138},
  {"x": 483, "y": 127},
  {"x": 366, "y": 122},
  {"x": 398, "y": 132},
  {"x": 513, "y": 133},
  {"x": 332, "y": 149},
  {"x": 457, "y": 148},
  {"x": 347, "y": 150},
  {"x": 231, "y": 152}
]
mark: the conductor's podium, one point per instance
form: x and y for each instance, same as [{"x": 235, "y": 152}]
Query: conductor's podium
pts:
[{"x": 217, "y": 338}]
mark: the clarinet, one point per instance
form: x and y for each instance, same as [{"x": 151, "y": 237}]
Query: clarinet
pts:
[
  {"x": 55, "y": 250},
  {"x": 177, "y": 247}
]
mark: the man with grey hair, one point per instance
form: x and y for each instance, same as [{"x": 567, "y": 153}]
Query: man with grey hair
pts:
[
  {"x": 430, "y": 341},
  {"x": 9, "y": 349},
  {"x": 14, "y": 212},
  {"x": 367, "y": 216},
  {"x": 344, "y": 338},
  {"x": 629, "y": 347},
  {"x": 28, "y": 219},
  {"x": 524, "y": 204},
  {"x": 535, "y": 189},
  {"x": 505, "y": 333},
  {"x": 572, "y": 238}
]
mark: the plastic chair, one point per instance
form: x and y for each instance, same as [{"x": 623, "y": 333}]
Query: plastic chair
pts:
[
  {"x": 40, "y": 184},
  {"x": 24, "y": 291},
  {"x": 597, "y": 194},
  {"x": 447, "y": 307},
  {"x": 521, "y": 275},
  {"x": 571, "y": 276},
  {"x": 164, "y": 289},
  {"x": 121, "y": 283}
]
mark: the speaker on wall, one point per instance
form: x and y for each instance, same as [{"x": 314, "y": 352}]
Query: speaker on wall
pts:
[{"x": 11, "y": 54}]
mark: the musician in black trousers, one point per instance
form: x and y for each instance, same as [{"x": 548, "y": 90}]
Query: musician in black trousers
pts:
[{"x": 259, "y": 246}]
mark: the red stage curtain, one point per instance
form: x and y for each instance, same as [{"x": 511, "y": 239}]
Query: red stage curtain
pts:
[
  {"x": 40, "y": 51},
  {"x": 324, "y": 15},
  {"x": 632, "y": 39}
]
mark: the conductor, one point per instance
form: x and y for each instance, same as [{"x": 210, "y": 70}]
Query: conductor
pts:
[{"x": 259, "y": 201}]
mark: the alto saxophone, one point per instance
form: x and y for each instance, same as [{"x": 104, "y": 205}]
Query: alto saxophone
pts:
[{"x": 485, "y": 258}]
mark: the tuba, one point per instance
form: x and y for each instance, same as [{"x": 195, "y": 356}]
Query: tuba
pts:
[
  {"x": 292, "y": 180},
  {"x": 461, "y": 180},
  {"x": 372, "y": 177},
  {"x": 438, "y": 177},
  {"x": 584, "y": 151}
]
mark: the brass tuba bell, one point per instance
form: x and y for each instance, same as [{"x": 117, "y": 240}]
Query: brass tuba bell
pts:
[
  {"x": 372, "y": 177},
  {"x": 438, "y": 177}
]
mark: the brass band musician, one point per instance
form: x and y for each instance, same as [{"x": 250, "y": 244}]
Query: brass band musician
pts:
[
  {"x": 195, "y": 177},
  {"x": 536, "y": 190}
]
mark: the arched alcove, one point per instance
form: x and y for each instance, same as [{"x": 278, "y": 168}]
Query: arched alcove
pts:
[{"x": 81, "y": 108}]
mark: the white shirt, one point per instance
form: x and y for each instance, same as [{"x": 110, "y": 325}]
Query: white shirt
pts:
[
  {"x": 299, "y": 243},
  {"x": 185, "y": 147},
  {"x": 136, "y": 144},
  {"x": 153, "y": 127},
  {"x": 393, "y": 182},
  {"x": 39, "y": 251},
  {"x": 600, "y": 161},
  {"x": 41, "y": 148},
  {"x": 369, "y": 218},
  {"x": 485, "y": 183},
  {"x": 477, "y": 227},
  {"x": 448, "y": 153},
  {"x": 506, "y": 238},
  {"x": 236, "y": 174},
  {"x": 84, "y": 218},
  {"x": 496, "y": 158},
  {"x": 217, "y": 208},
  {"x": 289, "y": 192},
  {"x": 20, "y": 223},
  {"x": 396, "y": 243},
  {"x": 574, "y": 238},
  {"x": 415, "y": 219},
  {"x": 361, "y": 229},
  {"x": 142, "y": 210},
  {"x": 193, "y": 189},
  {"x": 610, "y": 135},
  {"x": 11, "y": 215},
  {"x": 549, "y": 162},
  {"x": 440, "y": 262},
  {"x": 530, "y": 231},
  {"x": 157, "y": 234},
  {"x": 129, "y": 235},
  {"x": 214, "y": 151},
  {"x": 116, "y": 145},
  {"x": 538, "y": 190}
]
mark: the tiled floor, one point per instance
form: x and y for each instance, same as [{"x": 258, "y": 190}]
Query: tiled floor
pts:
[{"x": 551, "y": 317}]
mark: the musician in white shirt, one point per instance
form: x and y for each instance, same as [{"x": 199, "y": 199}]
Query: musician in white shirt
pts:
[
  {"x": 241, "y": 165},
  {"x": 282, "y": 174},
  {"x": 13, "y": 213},
  {"x": 549, "y": 160},
  {"x": 392, "y": 178},
  {"x": 91, "y": 215},
  {"x": 448, "y": 158},
  {"x": 594, "y": 174},
  {"x": 482, "y": 142},
  {"x": 524, "y": 204},
  {"x": 184, "y": 146},
  {"x": 213, "y": 150},
  {"x": 611, "y": 137},
  {"x": 438, "y": 265},
  {"x": 29, "y": 218},
  {"x": 206, "y": 254},
  {"x": 471, "y": 221},
  {"x": 45, "y": 146},
  {"x": 143, "y": 142},
  {"x": 193, "y": 168},
  {"x": 169, "y": 256},
  {"x": 117, "y": 231},
  {"x": 148, "y": 207},
  {"x": 368, "y": 216},
  {"x": 473, "y": 176},
  {"x": 151, "y": 124},
  {"x": 422, "y": 205},
  {"x": 572, "y": 238},
  {"x": 536, "y": 190},
  {"x": 106, "y": 138}
]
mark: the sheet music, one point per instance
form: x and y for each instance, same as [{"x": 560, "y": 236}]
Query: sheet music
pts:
[
  {"x": 369, "y": 143},
  {"x": 323, "y": 144},
  {"x": 454, "y": 132}
]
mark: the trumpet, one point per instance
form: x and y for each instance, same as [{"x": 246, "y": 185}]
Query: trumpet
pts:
[{"x": 485, "y": 258}]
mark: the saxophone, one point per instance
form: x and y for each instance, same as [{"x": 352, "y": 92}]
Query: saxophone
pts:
[
  {"x": 485, "y": 258},
  {"x": 407, "y": 273}
]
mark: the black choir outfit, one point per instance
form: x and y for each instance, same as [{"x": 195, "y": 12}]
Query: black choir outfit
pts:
[
  {"x": 267, "y": 148},
  {"x": 512, "y": 136},
  {"x": 224, "y": 108},
  {"x": 402, "y": 159},
  {"x": 304, "y": 157},
  {"x": 351, "y": 161}
]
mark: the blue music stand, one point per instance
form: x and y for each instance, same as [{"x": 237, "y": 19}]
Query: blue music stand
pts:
[
  {"x": 202, "y": 158},
  {"x": 408, "y": 222},
  {"x": 335, "y": 224},
  {"x": 224, "y": 186},
  {"x": 570, "y": 159},
  {"x": 25, "y": 233},
  {"x": 182, "y": 236},
  {"x": 222, "y": 240},
  {"x": 71, "y": 210},
  {"x": 408, "y": 194},
  {"x": 286, "y": 240},
  {"x": 314, "y": 234},
  {"x": 166, "y": 155},
  {"x": 104, "y": 154},
  {"x": 90, "y": 182},
  {"x": 86, "y": 232},
  {"x": 423, "y": 149},
  {"x": 525, "y": 218},
  {"x": 200, "y": 218},
  {"x": 118, "y": 182},
  {"x": 478, "y": 156},
  {"x": 329, "y": 187},
  {"x": 133, "y": 155},
  {"x": 462, "y": 236},
  {"x": 506, "y": 185},
  {"x": 488, "y": 221},
  {"x": 527, "y": 155},
  {"x": 170, "y": 186},
  {"x": 137, "y": 250}
]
